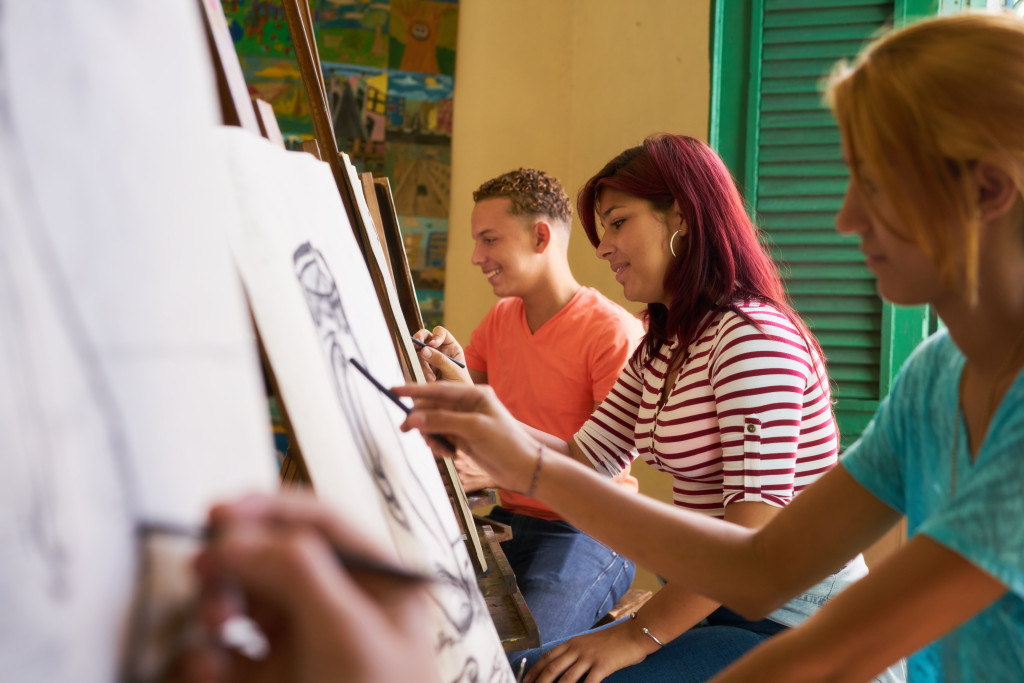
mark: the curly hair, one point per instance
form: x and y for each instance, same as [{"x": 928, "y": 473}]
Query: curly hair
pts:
[{"x": 532, "y": 193}]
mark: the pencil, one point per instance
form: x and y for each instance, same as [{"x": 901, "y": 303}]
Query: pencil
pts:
[
  {"x": 351, "y": 561},
  {"x": 522, "y": 670},
  {"x": 420, "y": 344},
  {"x": 398, "y": 402}
]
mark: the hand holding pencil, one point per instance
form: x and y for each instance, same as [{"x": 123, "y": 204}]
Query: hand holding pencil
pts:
[
  {"x": 278, "y": 557},
  {"x": 477, "y": 423},
  {"x": 441, "y": 356}
]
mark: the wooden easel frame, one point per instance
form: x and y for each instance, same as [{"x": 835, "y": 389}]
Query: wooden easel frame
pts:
[
  {"x": 396, "y": 254},
  {"x": 300, "y": 27},
  {"x": 237, "y": 109},
  {"x": 267, "y": 121}
]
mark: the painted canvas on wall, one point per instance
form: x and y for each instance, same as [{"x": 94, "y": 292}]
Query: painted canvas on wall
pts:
[
  {"x": 419, "y": 108},
  {"x": 423, "y": 36},
  {"x": 389, "y": 70},
  {"x": 426, "y": 244},
  {"x": 314, "y": 303},
  {"x": 354, "y": 32}
]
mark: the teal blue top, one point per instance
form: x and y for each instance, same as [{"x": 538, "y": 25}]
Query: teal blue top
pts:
[{"x": 904, "y": 458}]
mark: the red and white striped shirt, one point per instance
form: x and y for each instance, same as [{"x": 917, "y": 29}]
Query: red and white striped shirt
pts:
[{"x": 748, "y": 418}]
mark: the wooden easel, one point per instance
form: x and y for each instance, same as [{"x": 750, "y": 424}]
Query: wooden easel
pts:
[
  {"x": 396, "y": 254},
  {"x": 300, "y": 27},
  {"x": 238, "y": 110}
]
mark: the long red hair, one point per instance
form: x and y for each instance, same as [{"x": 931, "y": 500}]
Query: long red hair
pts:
[{"x": 721, "y": 259}]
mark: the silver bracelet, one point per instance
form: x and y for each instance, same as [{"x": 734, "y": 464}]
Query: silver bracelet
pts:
[{"x": 646, "y": 632}]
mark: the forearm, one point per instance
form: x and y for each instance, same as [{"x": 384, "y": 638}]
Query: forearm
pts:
[
  {"x": 550, "y": 441},
  {"x": 750, "y": 572},
  {"x": 671, "y": 612},
  {"x": 920, "y": 593},
  {"x": 720, "y": 561}
]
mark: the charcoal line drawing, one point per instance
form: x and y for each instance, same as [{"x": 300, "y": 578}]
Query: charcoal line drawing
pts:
[{"x": 410, "y": 510}]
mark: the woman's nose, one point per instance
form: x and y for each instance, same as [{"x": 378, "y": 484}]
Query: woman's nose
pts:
[{"x": 852, "y": 218}]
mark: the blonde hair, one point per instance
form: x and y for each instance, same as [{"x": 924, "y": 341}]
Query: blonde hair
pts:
[{"x": 922, "y": 105}]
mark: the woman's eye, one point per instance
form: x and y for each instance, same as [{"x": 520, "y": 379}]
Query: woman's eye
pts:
[{"x": 617, "y": 223}]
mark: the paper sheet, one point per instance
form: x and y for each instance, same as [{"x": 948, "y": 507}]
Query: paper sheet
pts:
[
  {"x": 315, "y": 306},
  {"x": 129, "y": 386}
]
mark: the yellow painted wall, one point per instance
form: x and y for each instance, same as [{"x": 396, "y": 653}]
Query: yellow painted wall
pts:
[{"x": 565, "y": 85}]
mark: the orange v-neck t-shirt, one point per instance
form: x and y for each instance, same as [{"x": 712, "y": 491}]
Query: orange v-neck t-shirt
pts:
[{"x": 550, "y": 379}]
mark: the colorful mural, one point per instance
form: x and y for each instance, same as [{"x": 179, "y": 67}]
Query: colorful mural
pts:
[{"x": 389, "y": 70}]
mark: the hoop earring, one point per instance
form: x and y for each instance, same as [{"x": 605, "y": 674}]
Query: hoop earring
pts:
[{"x": 672, "y": 243}]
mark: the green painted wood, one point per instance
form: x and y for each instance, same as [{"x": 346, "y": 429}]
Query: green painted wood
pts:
[
  {"x": 768, "y": 121},
  {"x": 808, "y": 151},
  {"x": 830, "y": 17},
  {"x": 782, "y": 5},
  {"x": 754, "y": 68}
]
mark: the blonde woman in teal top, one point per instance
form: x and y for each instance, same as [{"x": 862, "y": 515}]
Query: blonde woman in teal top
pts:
[{"x": 932, "y": 123}]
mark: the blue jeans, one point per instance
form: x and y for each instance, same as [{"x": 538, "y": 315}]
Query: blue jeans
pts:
[
  {"x": 568, "y": 579},
  {"x": 696, "y": 655}
]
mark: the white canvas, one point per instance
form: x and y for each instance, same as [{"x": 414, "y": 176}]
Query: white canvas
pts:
[
  {"x": 129, "y": 386},
  {"x": 315, "y": 306}
]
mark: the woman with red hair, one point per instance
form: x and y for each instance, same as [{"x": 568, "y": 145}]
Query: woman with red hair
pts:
[{"x": 727, "y": 393}]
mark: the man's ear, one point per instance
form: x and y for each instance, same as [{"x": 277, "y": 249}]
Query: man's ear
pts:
[
  {"x": 541, "y": 236},
  {"x": 997, "y": 189}
]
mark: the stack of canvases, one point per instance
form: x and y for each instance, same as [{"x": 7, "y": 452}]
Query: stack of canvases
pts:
[{"x": 129, "y": 387}]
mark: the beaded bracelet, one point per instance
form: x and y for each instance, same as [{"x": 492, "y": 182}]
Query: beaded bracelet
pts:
[
  {"x": 536, "y": 472},
  {"x": 643, "y": 629}
]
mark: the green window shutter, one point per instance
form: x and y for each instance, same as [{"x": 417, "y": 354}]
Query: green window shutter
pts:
[{"x": 770, "y": 125}]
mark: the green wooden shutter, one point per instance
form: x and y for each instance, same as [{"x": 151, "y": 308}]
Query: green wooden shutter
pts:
[{"x": 783, "y": 146}]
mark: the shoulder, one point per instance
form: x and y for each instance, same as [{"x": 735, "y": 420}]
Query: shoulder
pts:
[
  {"x": 594, "y": 308},
  {"x": 507, "y": 305},
  {"x": 501, "y": 311},
  {"x": 594, "y": 300},
  {"x": 746, "y": 326},
  {"x": 938, "y": 348},
  {"x": 495, "y": 321},
  {"x": 763, "y": 318},
  {"x": 931, "y": 371}
]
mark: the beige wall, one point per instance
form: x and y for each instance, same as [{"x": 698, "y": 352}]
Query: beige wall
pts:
[{"x": 565, "y": 85}]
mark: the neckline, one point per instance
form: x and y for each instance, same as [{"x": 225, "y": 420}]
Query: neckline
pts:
[
  {"x": 560, "y": 312},
  {"x": 960, "y": 431}
]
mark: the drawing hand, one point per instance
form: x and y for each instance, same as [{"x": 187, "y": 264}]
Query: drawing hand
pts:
[
  {"x": 480, "y": 425},
  {"x": 321, "y": 622},
  {"x": 592, "y": 656},
  {"x": 435, "y": 365}
]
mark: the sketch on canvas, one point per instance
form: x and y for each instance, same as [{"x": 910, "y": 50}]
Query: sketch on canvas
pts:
[{"x": 315, "y": 306}]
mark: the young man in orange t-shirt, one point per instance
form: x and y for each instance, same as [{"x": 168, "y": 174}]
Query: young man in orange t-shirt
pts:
[{"x": 551, "y": 349}]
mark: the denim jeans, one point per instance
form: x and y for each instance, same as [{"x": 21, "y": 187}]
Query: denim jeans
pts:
[
  {"x": 697, "y": 655},
  {"x": 568, "y": 579}
]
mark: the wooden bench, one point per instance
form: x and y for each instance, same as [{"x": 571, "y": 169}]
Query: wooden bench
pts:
[{"x": 633, "y": 600}]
